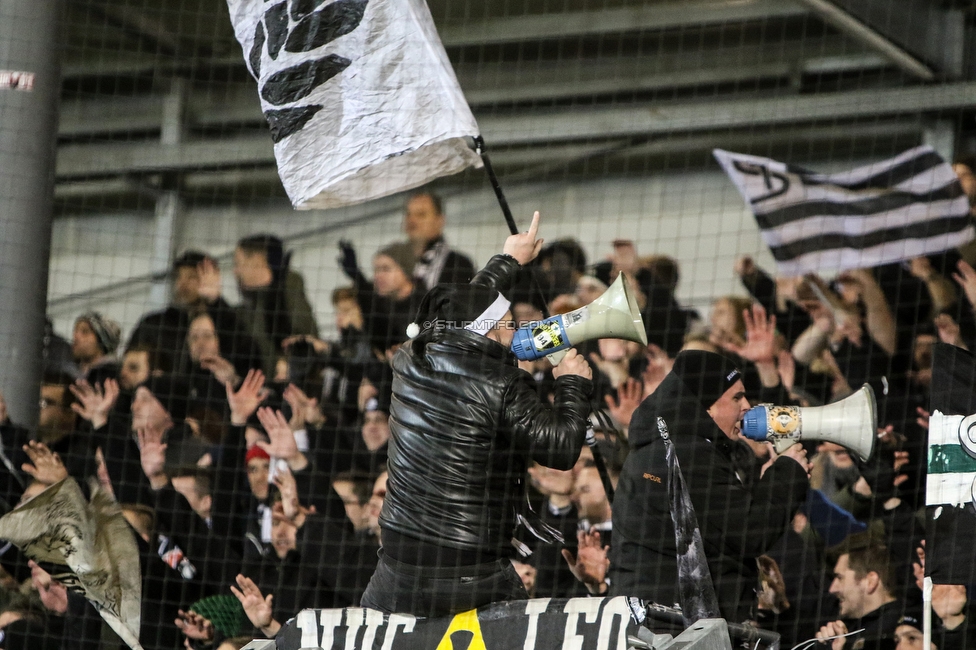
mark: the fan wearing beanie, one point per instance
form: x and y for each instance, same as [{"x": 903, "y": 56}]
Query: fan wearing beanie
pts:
[
  {"x": 465, "y": 422},
  {"x": 742, "y": 508}
]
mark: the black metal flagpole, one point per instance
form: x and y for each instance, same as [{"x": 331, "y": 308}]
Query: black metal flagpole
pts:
[{"x": 481, "y": 150}]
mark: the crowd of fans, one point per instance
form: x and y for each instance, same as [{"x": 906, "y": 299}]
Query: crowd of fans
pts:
[{"x": 248, "y": 455}]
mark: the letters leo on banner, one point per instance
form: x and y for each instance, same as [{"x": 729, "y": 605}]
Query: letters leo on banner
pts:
[
  {"x": 539, "y": 624},
  {"x": 17, "y": 80}
]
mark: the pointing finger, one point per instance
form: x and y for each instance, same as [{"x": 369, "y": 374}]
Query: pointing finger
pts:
[{"x": 534, "y": 228}]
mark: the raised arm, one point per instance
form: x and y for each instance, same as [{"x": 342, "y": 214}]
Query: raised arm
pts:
[{"x": 879, "y": 318}]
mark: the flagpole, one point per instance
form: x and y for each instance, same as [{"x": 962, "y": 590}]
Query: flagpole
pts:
[
  {"x": 927, "y": 612},
  {"x": 480, "y": 149},
  {"x": 598, "y": 461}
]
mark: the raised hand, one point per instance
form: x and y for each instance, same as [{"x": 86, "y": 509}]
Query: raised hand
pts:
[
  {"x": 348, "y": 261},
  {"x": 193, "y": 626},
  {"x": 304, "y": 409},
  {"x": 284, "y": 480},
  {"x": 94, "y": 402},
  {"x": 245, "y": 400},
  {"x": 744, "y": 266},
  {"x": 45, "y": 466},
  {"x": 209, "y": 274},
  {"x": 524, "y": 247},
  {"x": 629, "y": 396},
  {"x": 659, "y": 364},
  {"x": 590, "y": 564},
  {"x": 786, "y": 367},
  {"x": 923, "y": 418},
  {"x": 152, "y": 456},
  {"x": 966, "y": 278},
  {"x": 283, "y": 444},
  {"x": 256, "y": 606},
  {"x": 624, "y": 257},
  {"x": 760, "y": 345},
  {"x": 949, "y": 331}
]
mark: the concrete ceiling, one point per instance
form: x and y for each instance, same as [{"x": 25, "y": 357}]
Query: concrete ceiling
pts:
[{"x": 155, "y": 92}]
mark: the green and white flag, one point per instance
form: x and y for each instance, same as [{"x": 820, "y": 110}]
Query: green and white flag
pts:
[
  {"x": 950, "y": 516},
  {"x": 951, "y": 467}
]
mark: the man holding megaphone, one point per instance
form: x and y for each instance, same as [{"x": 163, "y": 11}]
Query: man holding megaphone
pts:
[
  {"x": 741, "y": 507},
  {"x": 465, "y": 422}
]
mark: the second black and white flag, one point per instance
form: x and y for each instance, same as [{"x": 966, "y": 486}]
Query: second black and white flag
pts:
[{"x": 890, "y": 211}]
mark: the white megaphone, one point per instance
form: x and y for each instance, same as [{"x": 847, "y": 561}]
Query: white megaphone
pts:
[
  {"x": 614, "y": 315},
  {"x": 851, "y": 423}
]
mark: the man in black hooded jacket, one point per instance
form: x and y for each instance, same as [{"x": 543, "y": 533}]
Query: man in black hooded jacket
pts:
[
  {"x": 465, "y": 421},
  {"x": 742, "y": 509}
]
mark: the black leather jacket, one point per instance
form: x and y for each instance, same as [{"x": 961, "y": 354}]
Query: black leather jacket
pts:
[{"x": 465, "y": 421}]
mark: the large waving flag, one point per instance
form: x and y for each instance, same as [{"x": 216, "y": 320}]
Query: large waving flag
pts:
[
  {"x": 950, "y": 554},
  {"x": 895, "y": 210},
  {"x": 360, "y": 96}
]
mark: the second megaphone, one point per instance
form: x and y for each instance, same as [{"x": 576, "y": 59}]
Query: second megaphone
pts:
[
  {"x": 851, "y": 422},
  {"x": 613, "y": 315}
]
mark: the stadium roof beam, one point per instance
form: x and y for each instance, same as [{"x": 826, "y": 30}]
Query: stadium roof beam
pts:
[
  {"x": 852, "y": 26},
  {"x": 502, "y": 83},
  {"x": 555, "y": 155},
  {"x": 137, "y": 24},
  {"x": 581, "y": 124},
  {"x": 659, "y": 16},
  {"x": 488, "y": 84},
  {"x": 76, "y": 161}
]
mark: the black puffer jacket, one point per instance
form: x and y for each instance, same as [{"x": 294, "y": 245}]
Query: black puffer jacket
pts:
[
  {"x": 740, "y": 515},
  {"x": 465, "y": 421}
]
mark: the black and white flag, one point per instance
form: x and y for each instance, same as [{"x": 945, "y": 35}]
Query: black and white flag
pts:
[
  {"x": 890, "y": 211},
  {"x": 359, "y": 94}
]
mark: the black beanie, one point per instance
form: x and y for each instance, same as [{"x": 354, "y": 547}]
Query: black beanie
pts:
[
  {"x": 706, "y": 374},
  {"x": 456, "y": 306},
  {"x": 910, "y": 616}
]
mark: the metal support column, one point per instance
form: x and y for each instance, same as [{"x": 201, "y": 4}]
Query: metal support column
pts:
[
  {"x": 29, "y": 91},
  {"x": 168, "y": 206}
]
